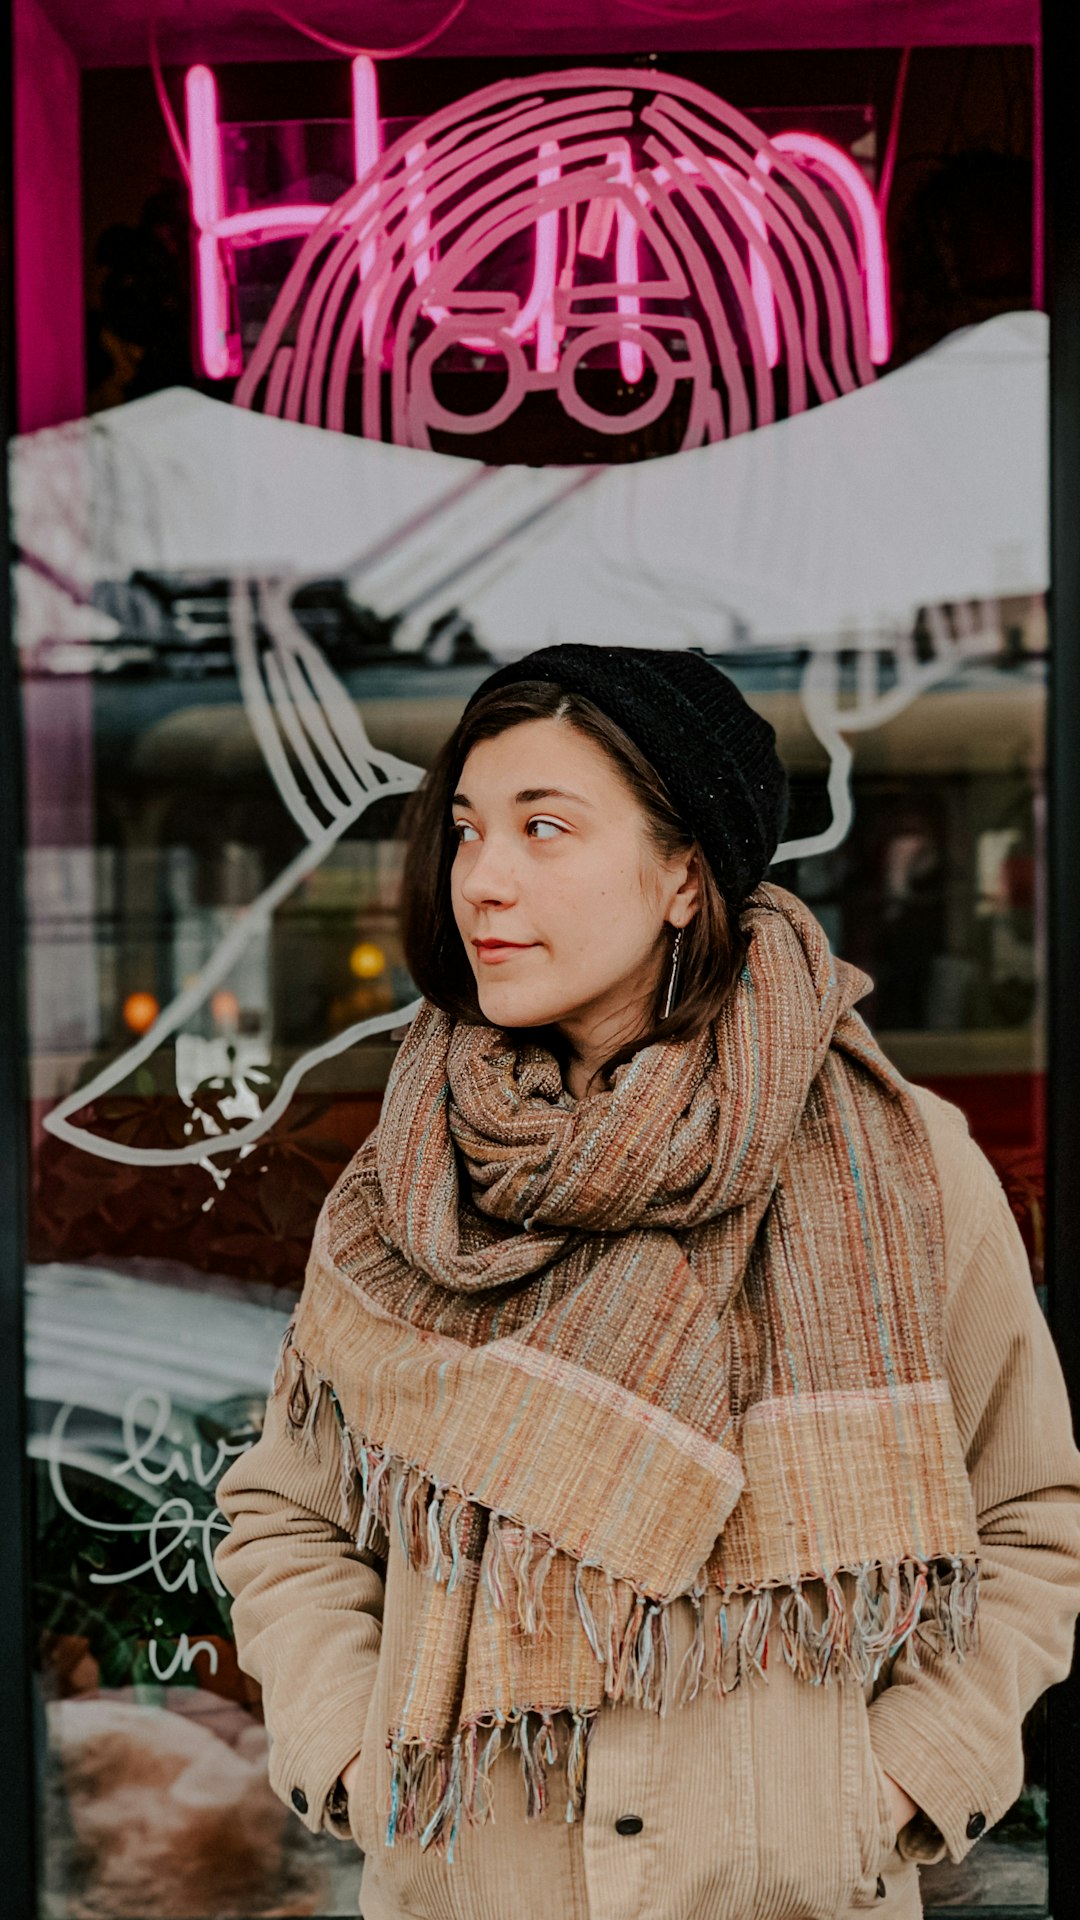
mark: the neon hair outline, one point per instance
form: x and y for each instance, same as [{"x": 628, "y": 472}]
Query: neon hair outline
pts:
[{"x": 805, "y": 282}]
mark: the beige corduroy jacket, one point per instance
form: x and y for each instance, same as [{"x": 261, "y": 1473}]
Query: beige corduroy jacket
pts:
[{"x": 767, "y": 1804}]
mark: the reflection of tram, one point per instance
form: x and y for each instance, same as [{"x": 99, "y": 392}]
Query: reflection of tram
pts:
[{"x": 933, "y": 890}]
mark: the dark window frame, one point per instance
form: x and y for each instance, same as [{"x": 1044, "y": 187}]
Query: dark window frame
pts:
[
  {"x": 1063, "y": 862},
  {"x": 18, "y": 1747}
]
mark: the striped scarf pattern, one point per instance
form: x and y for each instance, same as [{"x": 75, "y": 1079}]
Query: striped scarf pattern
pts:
[{"x": 677, "y": 1345}]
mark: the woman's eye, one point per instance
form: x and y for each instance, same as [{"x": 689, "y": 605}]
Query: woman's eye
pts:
[
  {"x": 543, "y": 829},
  {"x": 463, "y": 831}
]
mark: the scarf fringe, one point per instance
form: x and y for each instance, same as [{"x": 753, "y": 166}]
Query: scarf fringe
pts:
[
  {"x": 435, "y": 1788},
  {"x": 842, "y": 1625}
]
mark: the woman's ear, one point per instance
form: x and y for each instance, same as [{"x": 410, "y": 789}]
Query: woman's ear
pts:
[{"x": 686, "y": 899}]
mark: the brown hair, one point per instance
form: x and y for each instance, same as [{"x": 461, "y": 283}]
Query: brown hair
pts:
[{"x": 714, "y": 945}]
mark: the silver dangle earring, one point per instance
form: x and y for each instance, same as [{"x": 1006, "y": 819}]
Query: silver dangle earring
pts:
[{"x": 670, "y": 999}]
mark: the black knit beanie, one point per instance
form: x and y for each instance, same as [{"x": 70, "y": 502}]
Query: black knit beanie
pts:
[{"x": 715, "y": 755}]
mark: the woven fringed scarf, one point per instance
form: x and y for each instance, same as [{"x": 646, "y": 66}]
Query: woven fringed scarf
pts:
[{"x": 676, "y": 1345}]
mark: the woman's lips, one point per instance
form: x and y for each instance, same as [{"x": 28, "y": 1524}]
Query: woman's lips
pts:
[{"x": 492, "y": 951}]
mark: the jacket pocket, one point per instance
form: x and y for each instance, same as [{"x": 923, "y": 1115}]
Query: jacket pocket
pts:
[
  {"x": 814, "y": 1803},
  {"x": 367, "y": 1800},
  {"x": 358, "y": 1829},
  {"x": 874, "y": 1816}
]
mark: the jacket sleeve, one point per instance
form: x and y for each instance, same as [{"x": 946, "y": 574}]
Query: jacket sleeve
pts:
[
  {"x": 307, "y": 1605},
  {"x": 950, "y": 1732}
]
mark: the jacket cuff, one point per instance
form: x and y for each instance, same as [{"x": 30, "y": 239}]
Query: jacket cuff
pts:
[
  {"x": 956, "y": 1799},
  {"x": 303, "y": 1770}
]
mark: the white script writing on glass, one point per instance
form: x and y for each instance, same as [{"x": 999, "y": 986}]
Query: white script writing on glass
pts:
[{"x": 177, "y": 1537}]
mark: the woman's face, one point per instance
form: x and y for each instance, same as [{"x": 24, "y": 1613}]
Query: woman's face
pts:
[{"x": 558, "y": 893}]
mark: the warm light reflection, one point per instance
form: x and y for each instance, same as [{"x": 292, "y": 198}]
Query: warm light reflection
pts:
[
  {"x": 367, "y": 961},
  {"x": 140, "y": 1012},
  {"x": 225, "y": 1008}
]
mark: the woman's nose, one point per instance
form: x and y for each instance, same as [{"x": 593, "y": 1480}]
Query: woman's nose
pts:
[{"x": 489, "y": 876}]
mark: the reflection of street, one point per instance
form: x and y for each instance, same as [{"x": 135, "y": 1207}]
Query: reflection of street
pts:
[
  {"x": 1005, "y": 1874},
  {"x": 164, "y": 1806},
  {"x": 141, "y": 1394},
  {"x": 173, "y": 1527},
  {"x": 141, "y": 1389}
]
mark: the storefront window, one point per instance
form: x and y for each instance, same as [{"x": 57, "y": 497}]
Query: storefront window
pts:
[{"x": 249, "y": 608}]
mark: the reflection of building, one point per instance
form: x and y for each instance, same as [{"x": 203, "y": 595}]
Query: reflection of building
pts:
[{"x": 179, "y": 626}]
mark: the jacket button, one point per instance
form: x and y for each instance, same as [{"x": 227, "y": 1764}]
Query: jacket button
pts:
[
  {"x": 629, "y": 1823},
  {"x": 299, "y": 1799},
  {"x": 975, "y": 1825}
]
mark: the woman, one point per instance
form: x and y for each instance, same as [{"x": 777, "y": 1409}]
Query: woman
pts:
[{"x": 667, "y": 1370}]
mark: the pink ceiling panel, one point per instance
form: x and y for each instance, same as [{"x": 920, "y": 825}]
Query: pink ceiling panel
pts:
[{"x": 114, "y": 32}]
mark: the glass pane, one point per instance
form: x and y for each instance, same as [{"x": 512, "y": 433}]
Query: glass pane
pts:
[{"x": 243, "y": 638}]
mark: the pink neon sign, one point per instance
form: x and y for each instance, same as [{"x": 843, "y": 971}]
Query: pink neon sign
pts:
[
  {"x": 664, "y": 228},
  {"x": 204, "y": 151},
  {"x": 219, "y": 350},
  {"x": 841, "y": 172}
]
